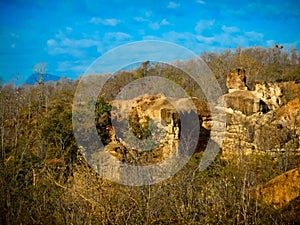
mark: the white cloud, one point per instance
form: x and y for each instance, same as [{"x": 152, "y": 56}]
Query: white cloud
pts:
[
  {"x": 140, "y": 19},
  {"x": 146, "y": 17},
  {"x": 222, "y": 37},
  {"x": 151, "y": 37},
  {"x": 179, "y": 37},
  {"x": 77, "y": 67},
  {"x": 195, "y": 43},
  {"x": 204, "y": 25},
  {"x": 200, "y": 2},
  {"x": 230, "y": 39},
  {"x": 228, "y": 29},
  {"x": 69, "y": 29},
  {"x": 154, "y": 25},
  {"x": 87, "y": 44},
  {"x": 116, "y": 36},
  {"x": 58, "y": 50},
  {"x": 164, "y": 22},
  {"x": 107, "y": 22},
  {"x": 157, "y": 25},
  {"x": 204, "y": 39},
  {"x": 51, "y": 42},
  {"x": 81, "y": 43},
  {"x": 173, "y": 5},
  {"x": 253, "y": 35},
  {"x": 69, "y": 46},
  {"x": 271, "y": 43}
]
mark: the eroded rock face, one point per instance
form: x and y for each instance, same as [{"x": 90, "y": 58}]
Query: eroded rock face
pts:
[
  {"x": 256, "y": 120},
  {"x": 236, "y": 80},
  {"x": 169, "y": 116},
  {"x": 147, "y": 129},
  {"x": 264, "y": 98},
  {"x": 259, "y": 132},
  {"x": 244, "y": 101},
  {"x": 289, "y": 114},
  {"x": 269, "y": 93}
]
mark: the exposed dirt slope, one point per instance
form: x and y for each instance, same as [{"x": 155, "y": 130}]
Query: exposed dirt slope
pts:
[{"x": 281, "y": 190}]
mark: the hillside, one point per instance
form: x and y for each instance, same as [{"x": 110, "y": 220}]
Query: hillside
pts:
[
  {"x": 35, "y": 78},
  {"x": 236, "y": 163}
]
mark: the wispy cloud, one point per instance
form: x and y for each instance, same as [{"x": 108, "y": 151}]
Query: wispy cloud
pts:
[
  {"x": 148, "y": 13},
  {"x": 230, "y": 39},
  {"x": 107, "y": 22},
  {"x": 140, "y": 19},
  {"x": 164, "y": 22},
  {"x": 157, "y": 25},
  {"x": 81, "y": 43},
  {"x": 84, "y": 45},
  {"x": 196, "y": 43},
  {"x": 63, "y": 44},
  {"x": 253, "y": 35},
  {"x": 204, "y": 39},
  {"x": 204, "y": 25},
  {"x": 218, "y": 38},
  {"x": 144, "y": 17},
  {"x": 154, "y": 25},
  {"x": 82, "y": 51},
  {"x": 270, "y": 43},
  {"x": 228, "y": 29},
  {"x": 200, "y": 2},
  {"x": 173, "y": 5},
  {"x": 69, "y": 29},
  {"x": 117, "y": 36},
  {"x": 68, "y": 46},
  {"x": 76, "y": 67}
]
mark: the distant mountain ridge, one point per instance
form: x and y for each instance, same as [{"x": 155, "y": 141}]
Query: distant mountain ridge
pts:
[{"x": 34, "y": 78}]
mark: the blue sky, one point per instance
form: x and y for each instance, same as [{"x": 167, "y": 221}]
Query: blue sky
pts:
[{"x": 70, "y": 35}]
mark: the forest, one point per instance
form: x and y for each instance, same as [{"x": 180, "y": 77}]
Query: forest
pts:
[{"x": 45, "y": 178}]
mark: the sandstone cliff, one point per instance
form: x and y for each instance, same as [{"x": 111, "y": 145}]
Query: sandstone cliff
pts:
[
  {"x": 147, "y": 129},
  {"x": 259, "y": 119}
]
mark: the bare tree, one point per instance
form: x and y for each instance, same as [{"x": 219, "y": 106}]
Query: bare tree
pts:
[{"x": 40, "y": 69}]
